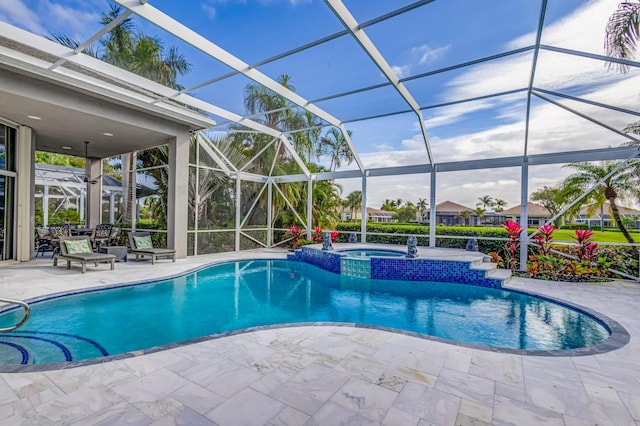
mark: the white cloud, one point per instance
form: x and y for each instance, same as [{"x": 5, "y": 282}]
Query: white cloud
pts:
[
  {"x": 76, "y": 20},
  {"x": 422, "y": 55},
  {"x": 552, "y": 129},
  {"x": 582, "y": 30},
  {"x": 209, "y": 10},
  {"x": 413, "y": 144},
  {"x": 15, "y": 12},
  {"x": 426, "y": 54},
  {"x": 402, "y": 71}
]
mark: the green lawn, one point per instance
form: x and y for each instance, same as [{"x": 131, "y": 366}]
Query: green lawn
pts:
[{"x": 598, "y": 236}]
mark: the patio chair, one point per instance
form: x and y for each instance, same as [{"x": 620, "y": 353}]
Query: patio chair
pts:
[
  {"x": 101, "y": 235},
  {"x": 56, "y": 232},
  {"x": 78, "y": 249},
  {"x": 142, "y": 246},
  {"x": 44, "y": 241}
]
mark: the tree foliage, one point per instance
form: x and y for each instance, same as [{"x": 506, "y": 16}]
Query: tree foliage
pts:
[
  {"x": 128, "y": 48},
  {"x": 623, "y": 184},
  {"x": 622, "y": 33},
  {"x": 551, "y": 198}
]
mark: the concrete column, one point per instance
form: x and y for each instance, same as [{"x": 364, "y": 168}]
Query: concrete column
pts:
[
  {"x": 178, "y": 197},
  {"x": 94, "y": 192},
  {"x": 25, "y": 191}
]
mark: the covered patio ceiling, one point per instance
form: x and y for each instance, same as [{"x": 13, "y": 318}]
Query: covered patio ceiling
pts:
[{"x": 438, "y": 96}]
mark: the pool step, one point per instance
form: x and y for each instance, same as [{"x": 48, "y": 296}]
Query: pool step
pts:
[{"x": 25, "y": 347}]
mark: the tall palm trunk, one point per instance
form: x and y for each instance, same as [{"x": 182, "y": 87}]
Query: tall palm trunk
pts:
[{"x": 616, "y": 217}]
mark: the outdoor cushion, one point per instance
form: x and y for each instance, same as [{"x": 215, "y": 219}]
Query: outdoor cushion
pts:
[
  {"x": 77, "y": 246},
  {"x": 143, "y": 243}
]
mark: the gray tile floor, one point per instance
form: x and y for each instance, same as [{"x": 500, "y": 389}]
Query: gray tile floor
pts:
[{"x": 326, "y": 375}]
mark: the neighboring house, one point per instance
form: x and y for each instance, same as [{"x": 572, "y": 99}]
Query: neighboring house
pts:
[
  {"x": 604, "y": 216},
  {"x": 347, "y": 214},
  {"x": 448, "y": 213},
  {"x": 537, "y": 214},
  {"x": 373, "y": 215},
  {"x": 380, "y": 216}
]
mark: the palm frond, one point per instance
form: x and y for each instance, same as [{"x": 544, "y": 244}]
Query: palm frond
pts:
[{"x": 622, "y": 33}]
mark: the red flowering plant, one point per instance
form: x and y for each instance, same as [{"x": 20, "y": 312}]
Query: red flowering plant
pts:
[
  {"x": 317, "y": 235},
  {"x": 511, "y": 246},
  {"x": 544, "y": 238},
  {"x": 587, "y": 266},
  {"x": 586, "y": 250},
  {"x": 334, "y": 236},
  {"x": 296, "y": 236}
]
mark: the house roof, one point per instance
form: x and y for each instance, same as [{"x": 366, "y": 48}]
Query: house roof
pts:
[
  {"x": 626, "y": 211},
  {"x": 379, "y": 213},
  {"x": 450, "y": 206},
  {"x": 533, "y": 210}
]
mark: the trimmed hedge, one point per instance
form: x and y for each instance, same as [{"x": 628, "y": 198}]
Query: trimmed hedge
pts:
[{"x": 498, "y": 234}]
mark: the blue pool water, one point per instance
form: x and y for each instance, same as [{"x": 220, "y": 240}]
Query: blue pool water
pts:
[
  {"x": 372, "y": 252},
  {"x": 238, "y": 295}
]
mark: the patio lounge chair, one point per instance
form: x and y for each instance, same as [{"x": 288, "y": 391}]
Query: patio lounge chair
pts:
[
  {"x": 101, "y": 235},
  {"x": 141, "y": 246},
  {"x": 78, "y": 249}
]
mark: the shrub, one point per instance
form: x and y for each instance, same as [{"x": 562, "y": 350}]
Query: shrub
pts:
[
  {"x": 587, "y": 266},
  {"x": 496, "y": 244},
  {"x": 511, "y": 255}
]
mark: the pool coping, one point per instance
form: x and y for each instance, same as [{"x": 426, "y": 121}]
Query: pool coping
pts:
[{"x": 618, "y": 337}]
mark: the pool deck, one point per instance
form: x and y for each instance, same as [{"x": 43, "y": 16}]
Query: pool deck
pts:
[{"x": 326, "y": 375}]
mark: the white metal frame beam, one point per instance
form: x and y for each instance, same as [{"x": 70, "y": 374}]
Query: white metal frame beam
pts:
[
  {"x": 154, "y": 16},
  {"x": 343, "y": 14},
  {"x": 534, "y": 64},
  {"x": 600, "y": 154}
]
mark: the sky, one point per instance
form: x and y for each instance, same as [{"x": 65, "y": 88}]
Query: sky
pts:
[{"x": 431, "y": 37}]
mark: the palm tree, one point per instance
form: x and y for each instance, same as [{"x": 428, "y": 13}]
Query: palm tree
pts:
[
  {"x": 128, "y": 48},
  {"x": 622, "y": 33},
  {"x": 388, "y": 205},
  {"x": 623, "y": 184},
  {"x": 306, "y": 142},
  {"x": 335, "y": 145},
  {"x": 479, "y": 212},
  {"x": 465, "y": 215},
  {"x": 499, "y": 205},
  {"x": 354, "y": 202},
  {"x": 485, "y": 201},
  {"x": 422, "y": 206},
  {"x": 621, "y": 37}
]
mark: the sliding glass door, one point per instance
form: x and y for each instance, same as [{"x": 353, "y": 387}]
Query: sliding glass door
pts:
[{"x": 7, "y": 191}]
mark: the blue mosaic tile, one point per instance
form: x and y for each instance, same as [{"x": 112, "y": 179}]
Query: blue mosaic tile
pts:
[
  {"x": 326, "y": 260},
  {"x": 360, "y": 268},
  {"x": 389, "y": 268}
]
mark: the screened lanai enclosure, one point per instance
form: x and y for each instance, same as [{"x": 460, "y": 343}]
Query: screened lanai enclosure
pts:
[{"x": 306, "y": 102}]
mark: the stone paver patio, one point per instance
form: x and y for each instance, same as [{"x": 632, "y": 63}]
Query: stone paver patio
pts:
[{"x": 326, "y": 375}]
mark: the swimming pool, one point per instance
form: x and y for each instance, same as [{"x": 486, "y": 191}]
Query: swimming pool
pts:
[{"x": 240, "y": 295}]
